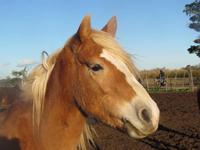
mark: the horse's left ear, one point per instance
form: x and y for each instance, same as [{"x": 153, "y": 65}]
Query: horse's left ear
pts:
[
  {"x": 111, "y": 26},
  {"x": 85, "y": 28}
]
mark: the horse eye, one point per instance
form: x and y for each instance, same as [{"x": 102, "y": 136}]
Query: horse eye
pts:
[{"x": 96, "y": 67}]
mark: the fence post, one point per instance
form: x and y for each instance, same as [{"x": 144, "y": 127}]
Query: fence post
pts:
[
  {"x": 191, "y": 79},
  {"x": 147, "y": 84},
  {"x": 183, "y": 78},
  {"x": 175, "y": 79}
]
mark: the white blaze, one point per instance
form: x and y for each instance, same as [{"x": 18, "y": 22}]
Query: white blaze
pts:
[
  {"x": 121, "y": 66},
  {"x": 141, "y": 98}
]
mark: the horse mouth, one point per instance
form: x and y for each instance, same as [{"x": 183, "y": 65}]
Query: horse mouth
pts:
[{"x": 132, "y": 130}]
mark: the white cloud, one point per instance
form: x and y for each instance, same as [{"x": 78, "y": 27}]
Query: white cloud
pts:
[
  {"x": 26, "y": 62},
  {"x": 4, "y": 65}
]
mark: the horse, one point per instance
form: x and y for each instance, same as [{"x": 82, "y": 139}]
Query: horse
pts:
[{"x": 90, "y": 78}]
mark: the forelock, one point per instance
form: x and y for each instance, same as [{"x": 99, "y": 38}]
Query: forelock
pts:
[{"x": 110, "y": 45}]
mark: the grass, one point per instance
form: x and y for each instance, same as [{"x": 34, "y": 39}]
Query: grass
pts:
[{"x": 169, "y": 90}]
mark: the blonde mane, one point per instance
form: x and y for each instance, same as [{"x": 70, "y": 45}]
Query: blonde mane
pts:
[
  {"x": 34, "y": 90},
  {"x": 34, "y": 87}
]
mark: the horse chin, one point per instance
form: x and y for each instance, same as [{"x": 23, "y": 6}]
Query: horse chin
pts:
[{"x": 133, "y": 131}]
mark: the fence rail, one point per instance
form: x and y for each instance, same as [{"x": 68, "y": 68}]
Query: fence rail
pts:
[
  {"x": 174, "y": 80},
  {"x": 171, "y": 84}
]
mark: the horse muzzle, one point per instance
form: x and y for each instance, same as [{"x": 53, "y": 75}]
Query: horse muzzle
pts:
[{"x": 139, "y": 119}]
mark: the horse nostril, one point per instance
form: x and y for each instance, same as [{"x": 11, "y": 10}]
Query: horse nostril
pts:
[{"x": 145, "y": 115}]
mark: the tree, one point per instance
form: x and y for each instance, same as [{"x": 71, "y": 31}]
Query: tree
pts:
[
  {"x": 193, "y": 11},
  {"x": 18, "y": 77},
  {"x": 20, "y": 74},
  {"x": 194, "y": 49}
]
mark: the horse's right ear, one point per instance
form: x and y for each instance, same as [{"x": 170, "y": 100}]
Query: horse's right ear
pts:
[{"x": 85, "y": 28}]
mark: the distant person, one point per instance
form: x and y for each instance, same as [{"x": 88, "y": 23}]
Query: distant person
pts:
[{"x": 162, "y": 78}]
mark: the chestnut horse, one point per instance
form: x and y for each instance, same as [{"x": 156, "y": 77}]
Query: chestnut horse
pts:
[{"x": 90, "y": 77}]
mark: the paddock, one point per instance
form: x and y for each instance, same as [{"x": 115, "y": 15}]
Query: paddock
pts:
[{"x": 179, "y": 127}]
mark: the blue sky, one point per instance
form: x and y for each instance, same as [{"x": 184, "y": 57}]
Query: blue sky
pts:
[{"x": 155, "y": 31}]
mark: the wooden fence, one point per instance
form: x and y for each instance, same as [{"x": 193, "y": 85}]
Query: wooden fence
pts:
[{"x": 187, "y": 82}]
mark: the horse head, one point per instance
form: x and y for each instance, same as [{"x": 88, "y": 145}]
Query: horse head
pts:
[{"x": 105, "y": 82}]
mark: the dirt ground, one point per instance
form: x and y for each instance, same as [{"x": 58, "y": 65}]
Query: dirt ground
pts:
[{"x": 179, "y": 128}]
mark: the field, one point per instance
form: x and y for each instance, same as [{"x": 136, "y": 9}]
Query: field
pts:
[{"x": 179, "y": 128}]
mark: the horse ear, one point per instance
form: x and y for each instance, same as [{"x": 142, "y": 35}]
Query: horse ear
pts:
[
  {"x": 111, "y": 26},
  {"x": 84, "y": 28}
]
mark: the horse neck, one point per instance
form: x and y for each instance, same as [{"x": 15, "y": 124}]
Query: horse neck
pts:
[{"x": 61, "y": 118}]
